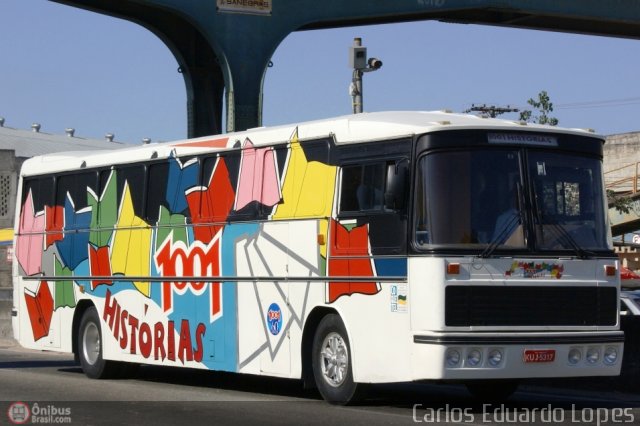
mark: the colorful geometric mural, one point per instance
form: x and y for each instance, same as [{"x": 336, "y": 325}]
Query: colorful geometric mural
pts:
[{"x": 196, "y": 217}]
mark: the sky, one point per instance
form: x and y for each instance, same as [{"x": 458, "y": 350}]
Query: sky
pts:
[{"x": 65, "y": 67}]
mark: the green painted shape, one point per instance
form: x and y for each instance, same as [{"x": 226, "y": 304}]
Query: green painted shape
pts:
[
  {"x": 322, "y": 266},
  {"x": 64, "y": 295},
  {"x": 349, "y": 226},
  {"x": 105, "y": 212},
  {"x": 168, "y": 223}
]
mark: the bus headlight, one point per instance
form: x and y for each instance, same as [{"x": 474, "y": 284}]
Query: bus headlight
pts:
[
  {"x": 452, "y": 357},
  {"x": 610, "y": 355},
  {"x": 575, "y": 355},
  {"x": 495, "y": 357},
  {"x": 593, "y": 355},
  {"x": 474, "y": 357}
]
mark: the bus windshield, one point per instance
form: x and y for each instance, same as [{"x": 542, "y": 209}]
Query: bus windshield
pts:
[{"x": 516, "y": 199}]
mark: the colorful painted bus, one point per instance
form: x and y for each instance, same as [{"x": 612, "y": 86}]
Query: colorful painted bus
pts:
[{"x": 370, "y": 248}]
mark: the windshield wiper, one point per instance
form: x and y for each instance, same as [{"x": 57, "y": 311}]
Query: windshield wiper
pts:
[
  {"x": 562, "y": 233},
  {"x": 564, "y": 236},
  {"x": 507, "y": 229}
]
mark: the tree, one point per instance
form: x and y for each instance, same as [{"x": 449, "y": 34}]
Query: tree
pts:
[
  {"x": 543, "y": 106},
  {"x": 621, "y": 203}
]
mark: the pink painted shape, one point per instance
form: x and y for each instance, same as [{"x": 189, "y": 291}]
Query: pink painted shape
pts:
[
  {"x": 258, "y": 179},
  {"x": 30, "y": 238}
]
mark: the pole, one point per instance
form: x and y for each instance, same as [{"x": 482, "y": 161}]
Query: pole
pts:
[
  {"x": 356, "y": 93},
  {"x": 356, "y": 81}
]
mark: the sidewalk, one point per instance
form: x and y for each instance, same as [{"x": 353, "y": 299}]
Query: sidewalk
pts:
[{"x": 7, "y": 342}]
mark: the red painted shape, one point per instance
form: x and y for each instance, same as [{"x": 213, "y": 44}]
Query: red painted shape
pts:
[
  {"x": 354, "y": 247},
  {"x": 54, "y": 221},
  {"x": 100, "y": 265},
  {"x": 214, "y": 204},
  {"x": 40, "y": 308}
]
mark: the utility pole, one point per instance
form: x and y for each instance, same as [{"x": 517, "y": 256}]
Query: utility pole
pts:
[
  {"x": 491, "y": 110},
  {"x": 358, "y": 61}
]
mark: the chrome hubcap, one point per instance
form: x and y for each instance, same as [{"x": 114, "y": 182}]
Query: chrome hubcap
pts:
[
  {"x": 91, "y": 343},
  {"x": 334, "y": 358}
]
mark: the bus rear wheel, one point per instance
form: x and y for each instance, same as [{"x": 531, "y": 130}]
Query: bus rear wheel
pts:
[
  {"x": 90, "y": 347},
  {"x": 333, "y": 364}
]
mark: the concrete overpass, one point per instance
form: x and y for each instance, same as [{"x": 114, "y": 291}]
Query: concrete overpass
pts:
[{"x": 224, "y": 46}]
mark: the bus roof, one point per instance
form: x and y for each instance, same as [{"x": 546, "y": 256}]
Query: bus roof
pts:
[{"x": 346, "y": 129}]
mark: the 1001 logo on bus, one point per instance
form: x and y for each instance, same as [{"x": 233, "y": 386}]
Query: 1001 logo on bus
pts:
[{"x": 176, "y": 259}]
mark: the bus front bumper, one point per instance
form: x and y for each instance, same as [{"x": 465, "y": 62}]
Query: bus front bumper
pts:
[{"x": 483, "y": 355}]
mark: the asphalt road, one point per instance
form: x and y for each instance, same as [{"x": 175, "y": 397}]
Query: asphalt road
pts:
[{"x": 55, "y": 391}]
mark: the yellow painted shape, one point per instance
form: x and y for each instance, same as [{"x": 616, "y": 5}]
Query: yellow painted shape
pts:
[
  {"x": 130, "y": 253},
  {"x": 308, "y": 187}
]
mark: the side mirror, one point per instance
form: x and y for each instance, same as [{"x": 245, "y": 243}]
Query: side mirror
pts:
[{"x": 394, "y": 196}]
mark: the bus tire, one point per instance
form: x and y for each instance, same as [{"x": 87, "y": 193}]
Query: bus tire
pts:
[
  {"x": 492, "y": 390},
  {"x": 90, "y": 347},
  {"x": 332, "y": 362}
]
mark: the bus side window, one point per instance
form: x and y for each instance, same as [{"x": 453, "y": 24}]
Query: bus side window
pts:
[
  {"x": 157, "y": 200},
  {"x": 364, "y": 187},
  {"x": 351, "y": 177},
  {"x": 72, "y": 189},
  {"x": 133, "y": 177},
  {"x": 42, "y": 193}
]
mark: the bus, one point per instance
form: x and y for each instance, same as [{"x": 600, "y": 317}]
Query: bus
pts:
[{"x": 370, "y": 248}]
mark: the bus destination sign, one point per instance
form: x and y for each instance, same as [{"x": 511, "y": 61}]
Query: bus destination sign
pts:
[{"x": 522, "y": 139}]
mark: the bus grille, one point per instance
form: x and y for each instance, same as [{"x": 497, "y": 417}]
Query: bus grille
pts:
[{"x": 467, "y": 306}]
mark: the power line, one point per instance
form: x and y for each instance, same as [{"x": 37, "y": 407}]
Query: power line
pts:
[{"x": 600, "y": 104}]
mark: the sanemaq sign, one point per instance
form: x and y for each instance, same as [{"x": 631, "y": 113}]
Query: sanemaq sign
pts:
[{"x": 260, "y": 7}]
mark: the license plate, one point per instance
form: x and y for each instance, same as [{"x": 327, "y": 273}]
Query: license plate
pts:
[{"x": 539, "y": 355}]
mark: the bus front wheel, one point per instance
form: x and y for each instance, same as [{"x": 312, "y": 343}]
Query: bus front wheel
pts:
[
  {"x": 333, "y": 364},
  {"x": 90, "y": 347}
]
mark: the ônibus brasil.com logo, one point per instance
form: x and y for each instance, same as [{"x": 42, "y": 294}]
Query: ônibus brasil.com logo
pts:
[{"x": 20, "y": 413}]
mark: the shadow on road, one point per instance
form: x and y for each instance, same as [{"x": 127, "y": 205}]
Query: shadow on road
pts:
[
  {"x": 36, "y": 364},
  {"x": 400, "y": 395},
  {"x": 226, "y": 381}
]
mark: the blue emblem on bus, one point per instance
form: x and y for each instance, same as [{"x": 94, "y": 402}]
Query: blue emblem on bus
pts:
[{"x": 274, "y": 319}]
